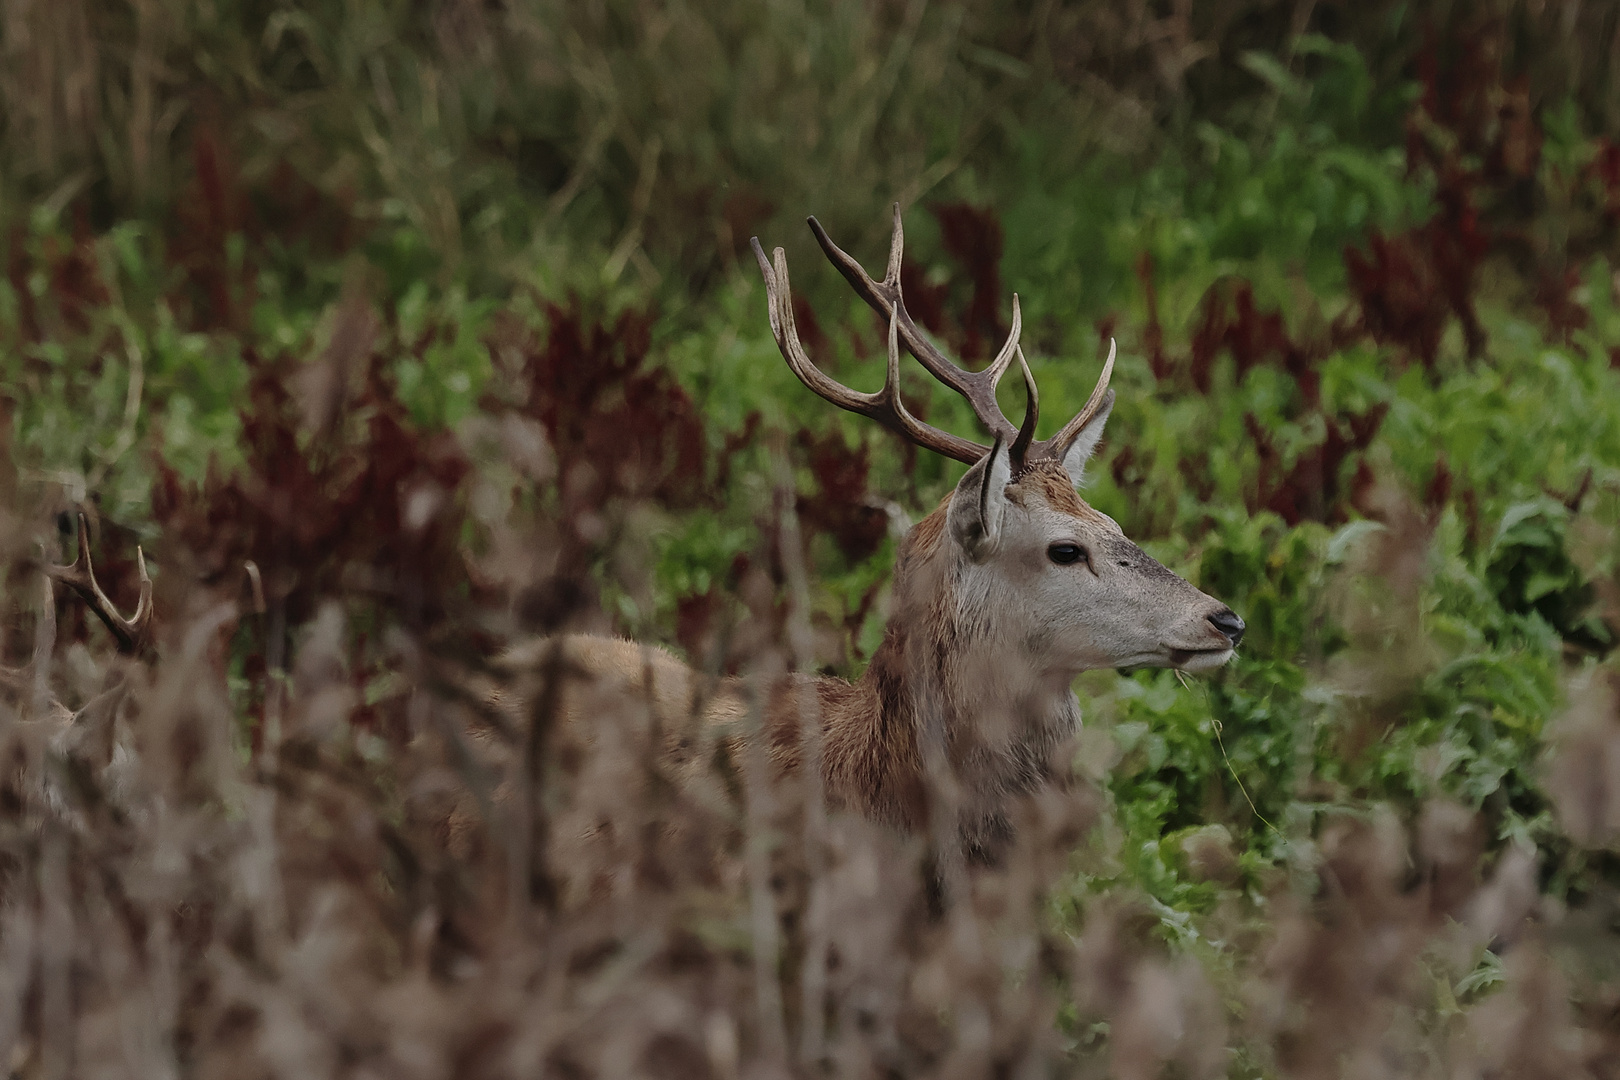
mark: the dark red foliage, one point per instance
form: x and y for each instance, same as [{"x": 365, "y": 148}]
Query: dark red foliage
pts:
[
  {"x": 213, "y": 208},
  {"x": 1153, "y": 332},
  {"x": 220, "y": 209},
  {"x": 1410, "y": 284},
  {"x": 1399, "y": 291},
  {"x": 371, "y": 512},
  {"x": 1457, "y": 73},
  {"x": 75, "y": 285},
  {"x": 1197, "y": 478},
  {"x": 1555, "y": 293},
  {"x": 809, "y": 327},
  {"x": 694, "y": 622},
  {"x": 1465, "y": 91},
  {"x": 619, "y": 428},
  {"x": 1231, "y": 322},
  {"x": 1439, "y": 490},
  {"x": 700, "y": 617},
  {"x": 220, "y": 227},
  {"x": 925, "y": 301},
  {"x": 1604, "y": 168},
  {"x": 1573, "y": 500},
  {"x": 1515, "y": 153},
  {"x": 1312, "y": 489},
  {"x": 1442, "y": 490},
  {"x": 296, "y": 212},
  {"x": 1474, "y": 131},
  {"x": 742, "y": 213},
  {"x": 1123, "y": 469},
  {"x": 842, "y": 505},
  {"x": 344, "y": 500},
  {"x": 972, "y": 236},
  {"x": 1473, "y": 522},
  {"x": 1105, "y": 329}
]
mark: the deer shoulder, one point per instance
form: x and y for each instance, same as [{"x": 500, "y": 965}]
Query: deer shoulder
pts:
[{"x": 591, "y": 689}]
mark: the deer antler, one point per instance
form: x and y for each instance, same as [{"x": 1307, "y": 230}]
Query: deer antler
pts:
[
  {"x": 885, "y": 406},
  {"x": 81, "y": 578}
]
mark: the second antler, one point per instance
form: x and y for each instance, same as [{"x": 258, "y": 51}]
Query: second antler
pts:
[
  {"x": 81, "y": 578},
  {"x": 886, "y": 406}
]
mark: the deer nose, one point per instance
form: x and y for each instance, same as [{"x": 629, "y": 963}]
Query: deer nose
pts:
[{"x": 1228, "y": 623}]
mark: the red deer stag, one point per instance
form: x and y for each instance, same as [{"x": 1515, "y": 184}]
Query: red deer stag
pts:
[{"x": 1001, "y": 596}]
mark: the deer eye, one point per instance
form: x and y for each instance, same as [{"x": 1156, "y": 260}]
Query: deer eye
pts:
[{"x": 1064, "y": 554}]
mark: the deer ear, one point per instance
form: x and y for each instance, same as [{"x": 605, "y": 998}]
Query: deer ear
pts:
[
  {"x": 1085, "y": 441},
  {"x": 980, "y": 502}
]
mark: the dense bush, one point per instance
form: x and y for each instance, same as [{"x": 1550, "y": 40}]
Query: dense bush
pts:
[{"x": 401, "y": 336}]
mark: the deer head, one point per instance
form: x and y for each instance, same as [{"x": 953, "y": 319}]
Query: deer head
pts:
[{"x": 1027, "y": 565}]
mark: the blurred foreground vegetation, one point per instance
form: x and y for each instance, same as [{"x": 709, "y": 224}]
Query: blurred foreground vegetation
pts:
[{"x": 442, "y": 317}]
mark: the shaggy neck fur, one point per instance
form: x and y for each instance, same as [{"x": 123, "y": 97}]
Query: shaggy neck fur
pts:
[{"x": 952, "y": 684}]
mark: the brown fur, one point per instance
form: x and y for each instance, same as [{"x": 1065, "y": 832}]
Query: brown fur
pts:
[
  {"x": 872, "y": 760},
  {"x": 869, "y": 761},
  {"x": 1048, "y": 481}
]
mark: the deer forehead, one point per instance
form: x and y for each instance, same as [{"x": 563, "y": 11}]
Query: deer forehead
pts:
[
  {"x": 1049, "y": 488},
  {"x": 1043, "y": 490}
]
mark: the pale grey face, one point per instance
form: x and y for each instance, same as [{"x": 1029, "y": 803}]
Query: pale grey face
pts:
[
  {"x": 1063, "y": 587},
  {"x": 1093, "y": 599}
]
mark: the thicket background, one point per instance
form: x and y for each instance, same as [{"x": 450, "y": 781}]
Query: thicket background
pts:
[{"x": 440, "y": 316}]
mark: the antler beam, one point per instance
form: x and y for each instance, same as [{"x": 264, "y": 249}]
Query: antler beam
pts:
[
  {"x": 885, "y": 406},
  {"x": 81, "y": 578}
]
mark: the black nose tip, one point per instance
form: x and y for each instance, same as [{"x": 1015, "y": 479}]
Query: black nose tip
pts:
[{"x": 1227, "y": 622}]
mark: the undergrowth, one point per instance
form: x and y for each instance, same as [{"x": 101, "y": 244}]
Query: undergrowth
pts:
[{"x": 463, "y": 347}]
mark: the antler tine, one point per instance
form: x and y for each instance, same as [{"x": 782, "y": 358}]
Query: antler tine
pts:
[
  {"x": 884, "y": 406},
  {"x": 998, "y": 366},
  {"x": 1058, "y": 445},
  {"x": 913, "y": 428},
  {"x": 1032, "y": 412},
  {"x": 897, "y": 246},
  {"x": 81, "y": 578},
  {"x": 979, "y": 388}
]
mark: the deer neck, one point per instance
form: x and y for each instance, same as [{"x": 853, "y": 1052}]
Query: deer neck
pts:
[{"x": 947, "y": 685}]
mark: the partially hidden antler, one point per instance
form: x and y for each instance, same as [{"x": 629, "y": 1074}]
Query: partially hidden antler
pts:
[
  {"x": 81, "y": 578},
  {"x": 885, "y": 406}
]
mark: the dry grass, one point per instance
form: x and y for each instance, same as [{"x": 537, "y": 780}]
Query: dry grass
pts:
[
  {"x": 314, "y": 830},
  {"x": 387, "y": 875}
]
